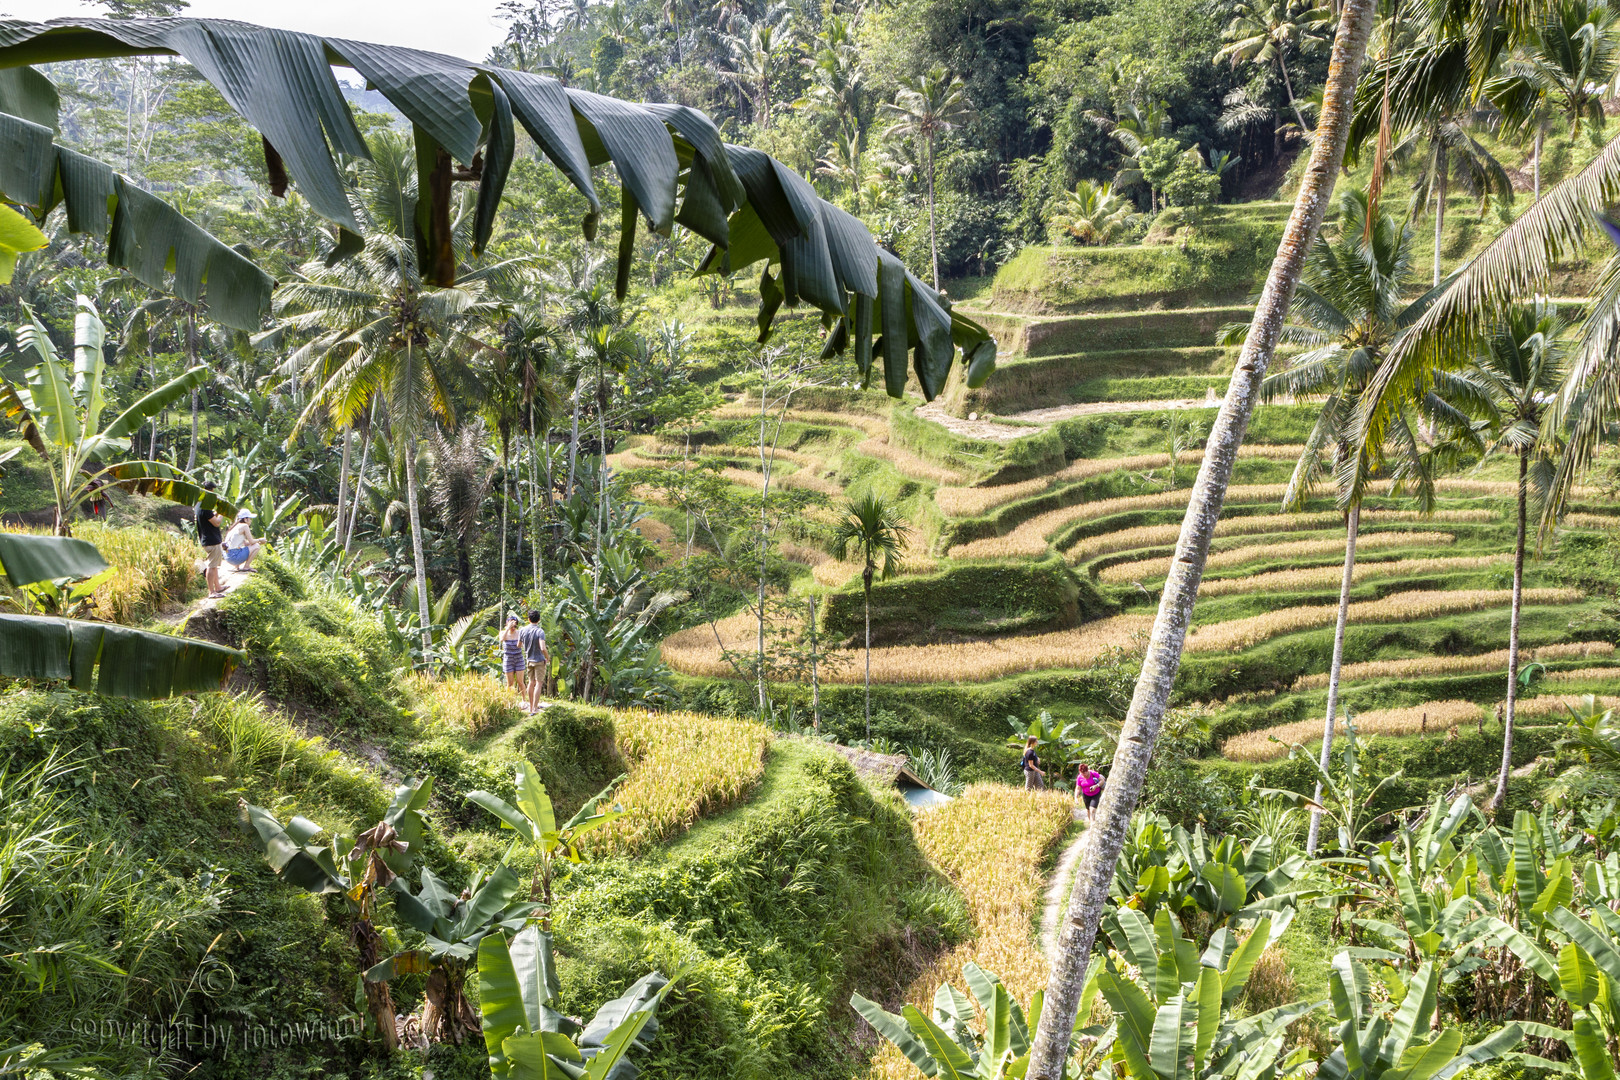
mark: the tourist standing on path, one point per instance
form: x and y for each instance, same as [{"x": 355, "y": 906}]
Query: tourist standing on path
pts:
[
  {"x": 536, "y": 656},
  {"x": 1088, "y": 784},
  {"x": 1034, "y": 778},
  {"x": 209, "y": 523},
  {"x": 512, "y": 654}
]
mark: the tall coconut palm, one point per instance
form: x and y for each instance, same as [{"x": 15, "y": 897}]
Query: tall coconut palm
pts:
[
  {"x": 925, "y": 108},
  {"x": 1348, "y": 310},
  {"x": 1517, "y": 372},
  {"x": 1563, "y": 68},
  {"x": 1447, "y": 151},
  {"x": 395, "y": 337},
  {"x": 1264, "y": 32},
  {"x": 1140, "y": 731},
  {"x": 759, "y": 52},
  {"x": 873, "y": 530}
]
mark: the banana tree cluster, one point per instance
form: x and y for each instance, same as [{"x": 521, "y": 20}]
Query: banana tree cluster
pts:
[
  {"x": 1233, "y": 880},
  {"x": 355, "y": 867},
  {"x": 672, "y": 163},
  {"x": 59, "y": 414},
  {"x": 952, "y": 1043}
]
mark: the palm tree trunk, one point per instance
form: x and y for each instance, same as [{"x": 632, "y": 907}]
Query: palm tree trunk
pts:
[
  {"x": 360, "y": 479},
  {"x": 1500, "y": 796},
  {"x": 343, "y": 480},
  {"x": 764, "y": 537},
  {"x": 933, "y": 236},
  {"x": 191, "y": 362},
  {"x": 1535, "y": 161},
  {"x": 506, "y": 476},
  {"x": 1141, "y": 730},
  {"x": 1288, "y": 85},
  {"x": 573, "y": 439},
  {"x": 1439, "y": 209},
  {"x": 815, "y": 680},
  {"x": 416, "y": 546},
  {"x": 868, "y": 584},
  {"x": 1352, "y": 527}
]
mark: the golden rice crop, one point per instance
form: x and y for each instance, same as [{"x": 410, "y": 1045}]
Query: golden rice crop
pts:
[
  {"x": 1590, "y": 674},
  {"x": 682, "y": 766},
  {"x": 694, "y": 652},
  {"x": 990, "y": 843},
  {"x": 907, "y": 463},
  {"x": 1507, "y": 489},
  {"x": 1433, "y": 716},
  {"x": 1308, "y": 577},
  {"x": 871, "y": 425},
  {"x": 972, "y": 501},
  {"x": 1397, "y": 607},
  {"x": 1163, "y": 535},
  {"x": 1591, "y": 521},
  {"x": 1029, "y": 537},
  {"x": 1254, "y": 548},
  {"x": 151, "y": 568},
  {"x": 1556, "y": 705},
  {"x": 1455, "y": 665},
  {"x": 655, "y": 531},
  {"x": 475, "y": 704}
]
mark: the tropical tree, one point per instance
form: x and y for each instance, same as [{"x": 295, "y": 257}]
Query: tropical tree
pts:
[
  {"x": 872, "y": 529},
  {"x": 1570, "y": 58},
  {"x": 1159, "y": 666},
  {"x": 392, "y": 335},
  {"x": 1447, "y": 150},
  {"x": 759, "y": 49},
  {"x": 1263, "y": 32},
  {"x": 1092, "y": 213},
  {"x": 1516, "y": 373},
  {"x": 62, "y": 421},
  {"x": 1348, "y": 310},
  {"x": 925, "y": 108}
]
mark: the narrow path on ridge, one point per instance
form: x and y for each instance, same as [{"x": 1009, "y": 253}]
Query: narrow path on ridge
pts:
[
  {"x": 1024, "y": 423},
  {"x": 1056, "y": 899}
]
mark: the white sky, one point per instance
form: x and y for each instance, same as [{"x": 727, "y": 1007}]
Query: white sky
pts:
[{"x": 466, "y": 29}]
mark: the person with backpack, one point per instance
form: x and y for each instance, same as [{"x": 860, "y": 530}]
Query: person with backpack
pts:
[
  {"x": 1034, "y": 777},
  {"x": 1088, "y": 785}
]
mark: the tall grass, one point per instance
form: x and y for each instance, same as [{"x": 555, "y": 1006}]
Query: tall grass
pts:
[
  {"x": 990, "y": 843},
  {"x": 1433, "y": 716},
  {"x": 1163, "y": 535},
  {"x": 1460, "y": 665},
  {"x": 682, "y": 766},
  {"x": 152, "y": 569},
  {"x": 973, "y": 501},
  {"x": 1397, "y": 607},
  {"x": 1253, "y": 549},
  {"x": 1029, "y": 537},
  {"x": 472, "y": 703},
  {"x": 1315, "y": 577},
  {"x": 694, "y": 652}
]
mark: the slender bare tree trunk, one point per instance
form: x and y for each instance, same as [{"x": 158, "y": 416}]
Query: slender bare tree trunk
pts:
[
  {"x": 1288, "y": 85},
  {"x": 815, "y": 679},
  {"x": 1352, "y": 527},
  {"x": 867, "y": 582},
  {"x": 933, "y": 236},
  {"x": 360, "y": 480},
  {"x": 1141, "y": 730},
  {"x": 1439, "y": 211},
  {"x": 343, "y": 481},
  {"x": 506, "y": 477},
  {"x": 191, "y": 361},
  {"x": 1500, "y": 796},
  {"x": 573, "y": 439},
  {"x": 764, "y": 537},
  {"x": 416, "y": 547},
  {"x": 1535, "y": 161}
]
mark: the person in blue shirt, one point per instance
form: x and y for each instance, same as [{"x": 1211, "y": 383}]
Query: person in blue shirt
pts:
[{"x": 536, "y": 657}]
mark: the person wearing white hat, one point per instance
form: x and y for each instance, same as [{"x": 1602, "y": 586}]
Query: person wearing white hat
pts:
[{"x": 240, "y": 545}]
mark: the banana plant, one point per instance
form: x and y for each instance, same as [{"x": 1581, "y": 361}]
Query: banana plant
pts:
[
  {"x": 1578, "y": 961},
  {"x": 355, "y": 867},
  {"x": 56, "y": 574},
  {"x": 1400, "y": 1046},
  {"x": 452, "y": 925},
  {"x": 1429, "y": 884},
  {"x": 1170, "y": 964},
  {"x": 17, "y": 235},
  {"x": 62, "y": 421},
  {"x": 1230, "y": 879},
  {"x": 528, "y": 1039},
  {"x": 535, "y": 823},
  {"x": 946, "y": 1044}
]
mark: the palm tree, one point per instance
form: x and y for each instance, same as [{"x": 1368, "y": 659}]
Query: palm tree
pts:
[
  {"x": 926, "y": 107},
  {"x": 758, "y": 50},
  {"x": 393, "y": 335},
  {"x": 1263, "y": 31},
  {"x": 516, "y": 390},
  {"x": 1447, "y": 150},
  {"x": 1139, "y": 733},
  {"x": 1092, "y": 213},
  {"x": 1136, "y": 129},
  {"x": 1565, "y": 66},
  {"x": 1348, "y": 310},
  {"x": 872, "y": 528},
  {"x": 1517, "y": 371}
]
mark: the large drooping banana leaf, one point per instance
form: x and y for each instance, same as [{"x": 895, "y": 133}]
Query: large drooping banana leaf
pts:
[
  {"x": 26, "y": 559},
  {"x": 117, "y": 661},
  {"x": 17, "y": 235},
  {"x": 144, "y": 234},
  {"x": 670, "y": 160}
]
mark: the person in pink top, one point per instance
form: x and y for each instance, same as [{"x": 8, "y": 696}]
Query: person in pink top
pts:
[{"x": 1088, "y": 784}]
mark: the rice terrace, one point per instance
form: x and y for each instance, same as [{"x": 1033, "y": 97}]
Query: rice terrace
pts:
[{"x": 1012, "y": 539}]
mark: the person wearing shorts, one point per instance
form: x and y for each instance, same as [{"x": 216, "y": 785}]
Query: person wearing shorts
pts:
[
  {"x": 512, "y": 654},
  {"x": 536, "y": 657},
  {"x": 209, "y": 522},
  {"x": 1034, "y": 778},
  {"x": 1088, "y": 784}
]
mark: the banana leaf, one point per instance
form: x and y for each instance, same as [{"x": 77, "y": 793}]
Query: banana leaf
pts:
[
  {"x": 17, "y": 235},
  {"x": 117, "y": 661},
  {"x": 26, "y": 559},
  {"x": 26, "y": 93}
]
